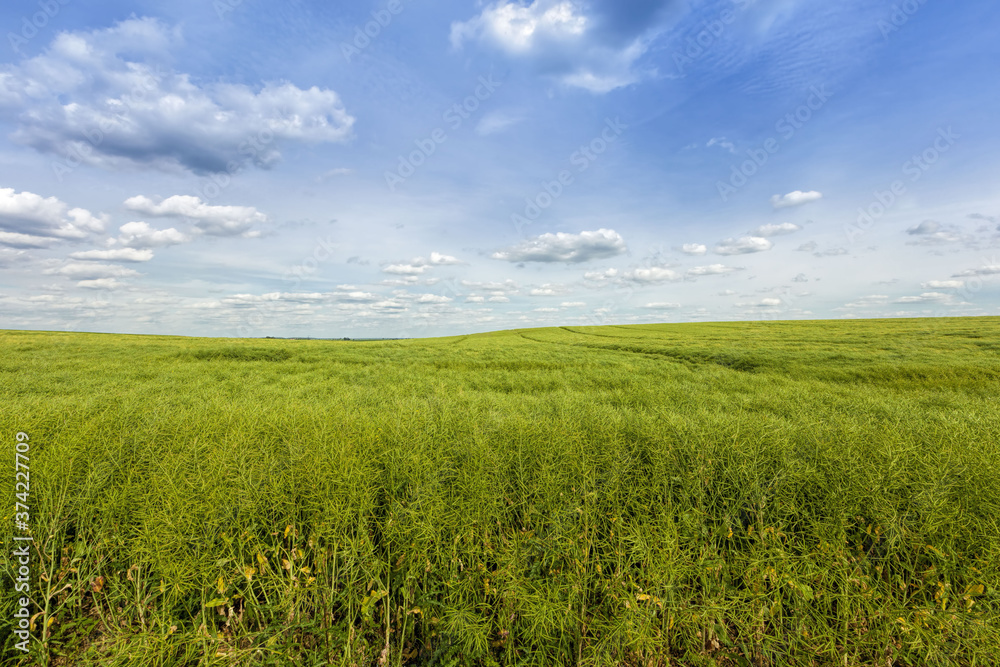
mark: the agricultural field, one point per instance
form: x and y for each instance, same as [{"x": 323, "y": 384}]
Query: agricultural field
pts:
[{"x": 766, "y": 493}]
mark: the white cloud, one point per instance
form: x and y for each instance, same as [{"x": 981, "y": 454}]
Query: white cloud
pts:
[
  {"x": 548, "y": 290},
  {"x": 563, "y": 247},
  {"x": 441, "y": 260},
  {"x": 712, "y": 270},
  {"x": 142, "y": 235},
  {"x": 28, "y": 220},
  {"x": 116, "y": 254},
  {"x": 600, "y": 276},
  {"x": 497, "y": 121},
  {"x": 722, "y": 142},
  {"x": 796, "y": 198},
  {"x": 832, "y": 252},
  {"x": 212, "y": 220},
  {"x": 101, "y": 283},
  {"x": 98, "y": 97},
  {"x": 15, "y": 240},
  {"x": 420, "y": 265},
  {"x": 89, "y": 271},
  {"x": 776, "y": 229},
  {"x": 576, "y": 44},
  {"x": 989, "y": 270},
  {"x": 694, "y": 249},
  {"x": 518, "y": 28},
  {"x": 334, "y": 173},
  {"x": 869, "y": 301},
  {"x": 505, "y": 286},
  {"x": 662, "y": 306},
  {"x": 926, "y": 297},
  {"x": 943, "y": 284},
  {"x": 406, "y": 269},
  {"x": 934, "y": 233},
  {"x": 353, "y": 295},
  {"x": 743, "y": 245},
  {"x": 925, "y": 227},
  {"x": 655, "y": 274},
  {"x": 573, "y": 304},
  {"x": 432, "y": 298}
]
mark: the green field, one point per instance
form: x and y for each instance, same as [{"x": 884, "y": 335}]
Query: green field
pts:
[{"x": 786, "y": 493}]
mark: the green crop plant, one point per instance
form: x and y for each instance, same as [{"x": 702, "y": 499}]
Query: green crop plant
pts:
[{"x": 784, "y": 493}]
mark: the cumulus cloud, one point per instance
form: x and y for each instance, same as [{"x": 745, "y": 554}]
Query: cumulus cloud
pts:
[
  {"x": 926, "y": 297},
  {"x": 743, "y": 245},
  {"x": 713, "y": 270},
  {"x": 943, "y": 284},
  {"x": 406, "y": 269},
  {"x": 548, "y": 290},
  {"x": 776, "y": 229},
  {"x": 988, "y": 270},
  {"x": 101, "y": 283},
  {"x": 420, "y": 265},
  {"x": 808, "y": 246},
  {"x": 495, "y": 286},
  {"x": 89, "y": 271},
  {"x": 563, "y": 247},
  {"x": 25, "y": 241},
  {"x": 444, "y": 260},
  {"x": 694, "y": 249},
  {"x": 796, "y": 198},
  {"x": 28, "y": 220},
  {"x": 600, "y": 276},
  {"x": 925, "y": 227},
  {"x": 662, "y": 306},
  {"x": 101, "y": 97},
  {"x": 142, "y": 235},
  {"x": 655, "y": 274},
  {"x": 115, "y": 254},
  {"x": 432, "y": 298},
  {"x": 212, "y": 220},
  {"x": 594, "y": 45},
  {"x": 930, "y": 232}
]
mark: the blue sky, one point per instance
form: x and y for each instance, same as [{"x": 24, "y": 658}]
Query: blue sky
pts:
[{"x": 406, "y": 168}]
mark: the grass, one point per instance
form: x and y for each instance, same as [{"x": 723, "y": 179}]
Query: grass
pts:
[{"x": 787, "y": 493}]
